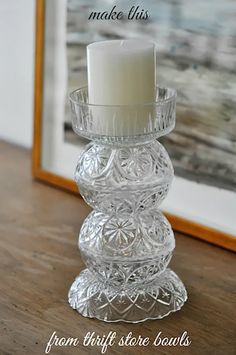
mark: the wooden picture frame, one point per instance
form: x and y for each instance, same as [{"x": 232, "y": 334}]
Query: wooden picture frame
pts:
[
  {"x": 37, "y": 170},
  {"x": 180, "y": 224}
]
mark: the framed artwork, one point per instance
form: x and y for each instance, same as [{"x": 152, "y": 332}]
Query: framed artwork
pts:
[{"x": 196, "y": 54}]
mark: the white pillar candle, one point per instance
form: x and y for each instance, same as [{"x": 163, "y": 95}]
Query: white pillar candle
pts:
[{"x": 121, "y": 72}]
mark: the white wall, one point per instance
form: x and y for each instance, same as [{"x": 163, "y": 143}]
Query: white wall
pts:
[{"x": 17, "y": 28}]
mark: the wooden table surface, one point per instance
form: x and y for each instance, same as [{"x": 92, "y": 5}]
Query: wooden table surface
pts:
[{"x": 39, "y": 260}]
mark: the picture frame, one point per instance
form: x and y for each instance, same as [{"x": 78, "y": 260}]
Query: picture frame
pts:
[{"x": 191, "y": 208}]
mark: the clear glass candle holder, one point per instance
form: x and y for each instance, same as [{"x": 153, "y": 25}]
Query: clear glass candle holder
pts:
[{"x": 126, "y": 242}]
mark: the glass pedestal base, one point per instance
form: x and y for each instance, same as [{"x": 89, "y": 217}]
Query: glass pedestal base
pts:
[{"x": 94, "y": 298}]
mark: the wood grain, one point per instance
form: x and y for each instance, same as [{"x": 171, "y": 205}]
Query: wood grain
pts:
[{"x": 39, "y": 260}]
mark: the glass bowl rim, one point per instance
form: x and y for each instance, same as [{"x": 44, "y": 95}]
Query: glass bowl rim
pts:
[{"x": 160, "y": 101}]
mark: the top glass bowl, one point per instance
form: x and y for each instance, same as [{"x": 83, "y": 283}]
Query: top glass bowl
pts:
[{"x": 123, "y": 124}]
